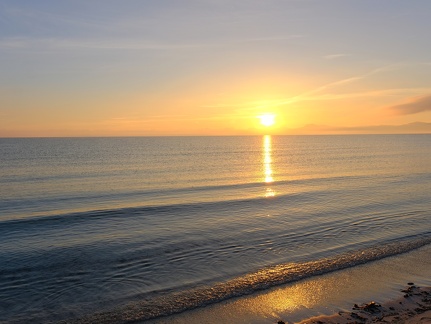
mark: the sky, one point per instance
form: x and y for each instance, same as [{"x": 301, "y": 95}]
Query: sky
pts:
[{"x": 212, "y": 67}]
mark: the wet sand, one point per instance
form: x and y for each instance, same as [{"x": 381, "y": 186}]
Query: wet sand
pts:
[
  {"x": 413, "y": 307},
  {"x": 323, "y": 298}
]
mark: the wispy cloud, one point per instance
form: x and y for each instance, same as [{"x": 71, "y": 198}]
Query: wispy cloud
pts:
[
  {"x": 163, "y": 118},
  {"x": 27, "y": 43},
  {"x": 68, "y": 44},
  {"x": 334, "y": 56},
  {"x": 318, "y": 94},
  {"x": 312, "y": 94},
  {"x": 414, "y": 106},
  {"x": 364, "y": 94},
  {"x": 411, "y": 128},
  {"x": 269, "y": 38}
]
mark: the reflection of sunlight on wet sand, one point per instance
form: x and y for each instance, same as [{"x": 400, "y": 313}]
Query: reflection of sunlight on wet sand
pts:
[{"x": 267, "y": 164}]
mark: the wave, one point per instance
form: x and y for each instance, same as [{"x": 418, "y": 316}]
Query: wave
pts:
[
  {"x": 131, "y": 202},
  {"x": 215, "y": 195},
  {"x": 167, "y": 303},
  {"x": 147, "y": 210}
]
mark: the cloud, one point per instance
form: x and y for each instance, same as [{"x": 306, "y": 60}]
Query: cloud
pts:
[
  {"x": 56, "y": 43},
  {"x": 334, "y": 56},
  {"x": 311, "y": 94},
  {"x": 68, "y": 44},
  {"x": 270, "y": 38},
  {"x": 415, "y": 106},
  {"x": 411, "y": 128}
]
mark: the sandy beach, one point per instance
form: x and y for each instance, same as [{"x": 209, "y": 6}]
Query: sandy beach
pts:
[
  {"x": 331, "y": 298},
  {"x": 413, "y": 307}
]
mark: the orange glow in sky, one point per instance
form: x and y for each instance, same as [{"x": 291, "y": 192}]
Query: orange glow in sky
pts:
[{"x": 302, "y": 67}]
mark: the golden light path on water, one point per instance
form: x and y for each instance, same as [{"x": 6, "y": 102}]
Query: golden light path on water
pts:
[{"x": 267, "y": 165}]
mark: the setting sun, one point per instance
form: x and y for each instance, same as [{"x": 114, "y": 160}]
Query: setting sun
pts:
[{"x": 267, "y": 119}]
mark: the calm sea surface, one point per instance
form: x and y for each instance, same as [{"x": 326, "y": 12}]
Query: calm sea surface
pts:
[{"x": 116, "y": 229}]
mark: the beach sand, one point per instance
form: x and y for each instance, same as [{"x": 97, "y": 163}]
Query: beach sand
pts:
[
  {"x": 323, "y": 298},
  {"x": 413, "y": 307}
]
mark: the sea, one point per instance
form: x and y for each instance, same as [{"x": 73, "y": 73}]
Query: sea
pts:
[{"x": 124, "y": 229}]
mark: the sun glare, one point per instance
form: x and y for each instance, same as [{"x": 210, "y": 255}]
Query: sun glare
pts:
[{"x": 267, "y": 120}]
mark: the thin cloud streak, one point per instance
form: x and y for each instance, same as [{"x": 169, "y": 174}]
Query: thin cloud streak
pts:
[
  {"x": 337, "y": 83},
  {"x": 167, "y": 118},
  {"x": 269, "y": 38},
  {"x": 23, "y": 43},
  {"x": 61, "y": 44},
  {"x": 308, "y": 96},
  {"x": 377, "y": 93},
  {"x": 312, "y": 95},
  {"x": 334, "y": 56}
]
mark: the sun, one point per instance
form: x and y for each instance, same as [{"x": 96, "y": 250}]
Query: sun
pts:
[{"x": 267, "y": 120}]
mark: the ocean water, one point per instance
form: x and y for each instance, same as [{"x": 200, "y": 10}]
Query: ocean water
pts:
[{"x": 122, "y": 229}]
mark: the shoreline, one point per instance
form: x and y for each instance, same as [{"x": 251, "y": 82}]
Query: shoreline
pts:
[{"x": 320, "y": 297}]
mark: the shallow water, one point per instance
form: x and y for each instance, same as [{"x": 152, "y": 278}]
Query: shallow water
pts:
[{"x": 119, "y": 225}]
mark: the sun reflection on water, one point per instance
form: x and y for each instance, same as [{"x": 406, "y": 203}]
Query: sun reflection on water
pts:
[{"x": 267, "y": 164}]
